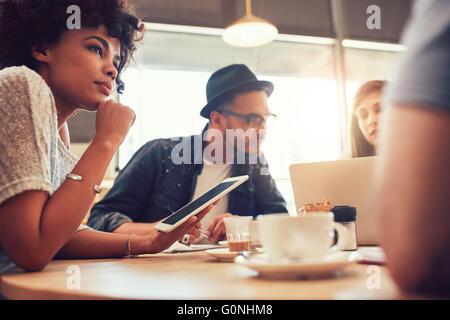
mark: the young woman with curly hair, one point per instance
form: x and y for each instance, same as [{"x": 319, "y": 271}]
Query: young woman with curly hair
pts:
[{"x": 47, "y": 72}]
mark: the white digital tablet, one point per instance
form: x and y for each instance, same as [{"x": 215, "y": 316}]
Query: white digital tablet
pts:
[{"x": 195, "y": 206}]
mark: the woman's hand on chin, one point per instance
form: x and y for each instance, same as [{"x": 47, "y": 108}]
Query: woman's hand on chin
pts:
[{"x": 113, "y": 122}]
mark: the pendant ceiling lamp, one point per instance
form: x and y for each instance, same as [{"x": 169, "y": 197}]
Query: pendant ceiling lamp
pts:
[{"x": 249, "y": 31}]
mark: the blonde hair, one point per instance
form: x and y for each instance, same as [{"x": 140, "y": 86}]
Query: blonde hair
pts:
[{"x": 359, "y": 145}]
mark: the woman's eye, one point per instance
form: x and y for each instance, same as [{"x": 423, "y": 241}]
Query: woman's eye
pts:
[
  {"x": 362, "y": 114},
  {"x": 97, "y": 50}
]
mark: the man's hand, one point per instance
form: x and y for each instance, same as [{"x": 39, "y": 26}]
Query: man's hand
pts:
[
  {"x": 216, "y": 230},
  {"x": 194, "y": 233}
]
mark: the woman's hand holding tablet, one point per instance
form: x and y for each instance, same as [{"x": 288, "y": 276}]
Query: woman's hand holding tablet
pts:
[
  {"x": 195, "y": 206},
  {"x": 160, "y": 241}
]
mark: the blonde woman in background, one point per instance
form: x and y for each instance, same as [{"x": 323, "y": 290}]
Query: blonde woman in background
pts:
[{"x": 364, "y": 123}]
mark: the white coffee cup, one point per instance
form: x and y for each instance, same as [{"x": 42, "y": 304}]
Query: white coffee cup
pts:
[{"x": 304, "y": 236}]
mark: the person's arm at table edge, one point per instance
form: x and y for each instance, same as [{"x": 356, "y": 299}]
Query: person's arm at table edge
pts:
[
  {"x": 107, "y": 245},
  {"x": 110, "y": 245},
  {"x": 31, "y": 227},
  {"x": 414, "y": 202},
  {"x": 116, "y": 222}
]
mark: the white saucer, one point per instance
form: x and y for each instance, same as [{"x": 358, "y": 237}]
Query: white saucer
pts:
[
  {"x": 224, "y": 254},
  {"x": 310, "y": 268},
  {"x": 252, "y": 244}
]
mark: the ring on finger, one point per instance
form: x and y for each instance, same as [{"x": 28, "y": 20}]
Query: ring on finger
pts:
[{"x": 185, "y": 239}]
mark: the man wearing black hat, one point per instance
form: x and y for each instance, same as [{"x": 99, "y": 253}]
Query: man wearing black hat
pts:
[{"x": 159, "y": 179}]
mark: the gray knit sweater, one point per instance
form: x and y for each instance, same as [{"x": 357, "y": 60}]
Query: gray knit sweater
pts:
[{"x": 32, "y": 155}]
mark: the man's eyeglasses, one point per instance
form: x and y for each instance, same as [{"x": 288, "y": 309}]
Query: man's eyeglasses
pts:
[{"x": 253, "y": 120}]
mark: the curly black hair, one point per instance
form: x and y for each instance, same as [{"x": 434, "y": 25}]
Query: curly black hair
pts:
[{"x": 25, "y": 24}]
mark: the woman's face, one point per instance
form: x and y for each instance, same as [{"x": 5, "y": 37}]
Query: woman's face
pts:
[
  {"x": 81, "y": 68},
  {"x": 368, "y": 113}
]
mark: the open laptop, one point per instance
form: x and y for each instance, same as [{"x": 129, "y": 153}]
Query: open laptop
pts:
[{"x": 342, "y": 182}]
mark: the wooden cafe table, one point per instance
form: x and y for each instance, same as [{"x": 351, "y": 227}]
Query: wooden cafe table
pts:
[{"x": 187, "y": 275}]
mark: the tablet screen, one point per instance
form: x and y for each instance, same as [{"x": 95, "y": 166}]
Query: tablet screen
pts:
[{"x": 190, "y": 207}]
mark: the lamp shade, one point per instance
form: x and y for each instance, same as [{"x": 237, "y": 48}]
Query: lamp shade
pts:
[{"x": 249, "y": 31}]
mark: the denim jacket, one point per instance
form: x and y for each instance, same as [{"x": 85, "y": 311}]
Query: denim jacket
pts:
[{"x": 152, "y": 186}]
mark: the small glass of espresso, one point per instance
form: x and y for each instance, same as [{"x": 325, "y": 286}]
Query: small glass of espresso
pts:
[{"x": 238, "y": 233}]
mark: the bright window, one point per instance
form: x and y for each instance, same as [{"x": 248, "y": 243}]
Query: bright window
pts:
[{"x": 166, "y": 88}]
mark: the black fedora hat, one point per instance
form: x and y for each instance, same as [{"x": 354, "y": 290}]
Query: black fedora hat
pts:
[{"x": 230, "y": 80}]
